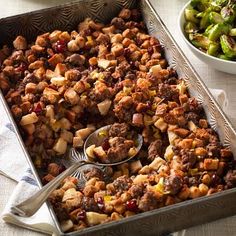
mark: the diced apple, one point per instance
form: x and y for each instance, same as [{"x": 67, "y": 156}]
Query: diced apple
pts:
[
  {"x": 155, "y": 70},
  {"x": 29, "y": 119},
  {"x": 84, "y": 133},
  {"x": 60, "y": 146},
  {"x": 100, "y": 153},
  {"x": 78, "y": 142},
  {"x": 161, "y": 124},
  {"x": 156, "y": 163},
  {"x": 66, "y": 225},
  {"x": 94, "y": 218},
  {"x": 67, "y": 136},
  {"x": 103, "y": 63},
  {"x": 104, "y": 106},
  {"x": 89, "y": 151}
]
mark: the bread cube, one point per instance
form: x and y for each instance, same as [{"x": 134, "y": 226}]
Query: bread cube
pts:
[
  {"x": 211, "y": 164},
  {"x": 20, "y": 43},
  {"x": 71, "y": 96},
  {"x": 59, "y": 81}
]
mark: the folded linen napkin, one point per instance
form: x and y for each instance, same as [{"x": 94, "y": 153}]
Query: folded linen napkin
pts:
[{"x": 15, "y": 167}]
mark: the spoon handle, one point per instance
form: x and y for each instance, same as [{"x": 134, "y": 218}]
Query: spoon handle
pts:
[{"x": 28, "y": 207}]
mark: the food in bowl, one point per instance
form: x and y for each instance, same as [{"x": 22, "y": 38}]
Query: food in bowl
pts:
[
  {"x": 210, "y": 26},
  {"x": 65, "y": 85},
  {"x": 116, "y": 144}
]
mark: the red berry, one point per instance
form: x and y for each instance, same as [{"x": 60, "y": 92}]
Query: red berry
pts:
[
  {"x": 60, "y": 46},
  {"x": 22, "y": 67},
  {"x": 81, "y": 215},
  {"x": 38, "y": 109},
  {"x": 100, "y": 203},
  {"x": 131, "y": 205},
  {"x": 105, "y": 144},
  {"x": 126, "y": 52}
]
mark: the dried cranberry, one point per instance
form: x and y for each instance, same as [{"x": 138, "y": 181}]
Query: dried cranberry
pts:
[
  {"x": 215, "y": 179},
  {"x": 131, "y": 205},
  {"x": 105, "y": 144},
  {"x": 60, "y": 46},
  {"x": 150, "y": 50},
  {"x": 22, "y": 67},
  {"x": 100, "y": 203},
  {"x": 62, "y": 168},
  {"x": 126, "y": 52},
  {"x": 81, "y": 215},
  {"x": 132, "y": 64},
  {"x": 38, "y": 109}
]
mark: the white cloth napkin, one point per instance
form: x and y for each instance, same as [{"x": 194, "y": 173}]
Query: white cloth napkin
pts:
[{"x": 14, "y": 165}]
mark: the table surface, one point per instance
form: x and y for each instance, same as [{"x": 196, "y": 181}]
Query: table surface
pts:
[{"x": 168, "y": 10}]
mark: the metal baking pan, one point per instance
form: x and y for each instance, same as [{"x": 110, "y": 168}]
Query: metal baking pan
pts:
[{"x": 170, "y": 218}]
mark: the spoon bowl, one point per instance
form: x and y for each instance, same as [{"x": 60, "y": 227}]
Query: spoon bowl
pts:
[
  {"x": 28, "y": 207},
  {"x": 97, "y": 139}
]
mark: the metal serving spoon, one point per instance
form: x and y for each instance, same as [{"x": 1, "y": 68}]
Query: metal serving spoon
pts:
[{"x": 28, "y": 207}]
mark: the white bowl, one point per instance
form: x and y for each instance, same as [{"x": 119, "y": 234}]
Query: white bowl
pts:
[{"x": 217, "y": 63}]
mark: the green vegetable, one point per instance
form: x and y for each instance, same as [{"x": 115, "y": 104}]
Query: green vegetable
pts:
[
  {"x": 190, "y": 15},
  {"x": 232, "y": 32},
  {"x": 213, "y": 48},
  {"x": 228, "y": 14},
  {"x": 205, "y": 20},
  {"x": 219, "y": 3},
  {"x": 199, "y": 41},
  {"x": 200, "y": 5},
  {"x": 211, "y": 27},
  {"x": 190, "y": 27},
  {"x": 215, "y": 18},
  {"x": 208, "y": 30},
  {"x": 222, "y": 56},
  {"x": 218, "y": 30},
  {"x": 228, "y": 46}
]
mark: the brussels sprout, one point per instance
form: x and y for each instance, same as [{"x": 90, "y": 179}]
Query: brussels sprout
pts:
[
  {"x": 200, "y": 5},
  {"x": 228, "y": 46},
  {"x": 208, "y": 30},
  {"x": 190, "y": 27},
  {"x": 190, "y": 15},
  {"x": 222, "y": 56},
  {"x": 215, "y": 18},
  {"x": 199, "y": 41},
  {"x": 204, "y": 22},
  {"x": 219, "y": 3},
  {"x": 213, "y": 48},
  {"x": 228, "y": 14},
  {"x": 218, "y": 30}
]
